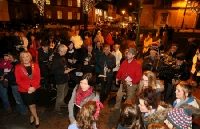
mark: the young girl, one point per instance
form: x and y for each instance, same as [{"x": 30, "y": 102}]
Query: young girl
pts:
[
  {"x": 82, "y": 93},
  {"x": 184, "y": 95},
  {"x": 149, "y": 79},
  {"x": 154, "y": 111},
  {"x": 130, "y": 117},
  {"x": 87, "y": 116},
  {"x": 179, "y": 118}
]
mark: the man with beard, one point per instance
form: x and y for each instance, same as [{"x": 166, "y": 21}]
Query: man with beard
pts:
[{"x": 130, "y": 73}]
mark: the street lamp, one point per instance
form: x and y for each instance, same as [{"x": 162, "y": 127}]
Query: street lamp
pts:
[{"x": 123, "y": 12}]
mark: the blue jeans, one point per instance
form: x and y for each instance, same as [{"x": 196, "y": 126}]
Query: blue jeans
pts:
[
  {"x": 20, "y": 107},
  {"x": 4, "y": 97}
]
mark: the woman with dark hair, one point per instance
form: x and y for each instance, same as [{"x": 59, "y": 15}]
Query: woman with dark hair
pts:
[
  {"x": 130, "y": 117},
  {"x": 87, "y": 116},
  {"x": 72, "y": 60},
  {"x": 154, "y": 112},
  {"x": 82, "y": 93}
]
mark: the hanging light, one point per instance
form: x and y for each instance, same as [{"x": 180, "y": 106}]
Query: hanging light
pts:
[
  {"x": 88, "y": 4},
  {"x": 40, "y": 5}
]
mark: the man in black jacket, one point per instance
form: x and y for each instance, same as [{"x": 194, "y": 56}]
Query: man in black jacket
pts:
[
  {"x": 106, "y": 63},
  {"x": 60, "y": 71},
  {"x": 44, "y": 56},
  {"x": 181, "y": 72}
]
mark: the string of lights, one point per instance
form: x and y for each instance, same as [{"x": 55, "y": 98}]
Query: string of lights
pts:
[
  {"x": 40, "y": 4},
  {"x": 87, "y": 5}
]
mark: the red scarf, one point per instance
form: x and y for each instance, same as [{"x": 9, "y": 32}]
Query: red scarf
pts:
[{"x": 81, "y": 95}]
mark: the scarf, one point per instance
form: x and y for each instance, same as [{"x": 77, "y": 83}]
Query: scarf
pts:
[{"x": 81, "y": 95}]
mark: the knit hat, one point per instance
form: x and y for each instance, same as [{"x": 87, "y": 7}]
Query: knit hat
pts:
[
  {"x": 132, "y": 50},
  {"x": 44, "y": 43},
  {"x": 180, "y": 118}
]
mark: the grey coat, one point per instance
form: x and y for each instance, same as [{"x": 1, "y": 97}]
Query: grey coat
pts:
[{"x": 94, "y": 96}]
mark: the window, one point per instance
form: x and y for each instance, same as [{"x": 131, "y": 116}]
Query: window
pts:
[
  {"x": 166, "y": 3},
  {"x": 48, "y": 14},
  {"x": 78, "y": 16},
  {"x": 59, "y": 2},
  {"x": 163, "y": 18},
  {"x": 69, "y": 2},
  {"x": 69, "y": 15},
  {"x": 48, "y": 2},
  {"x": 34, "y": 1},
  {"x": 59, "y": 14},
  {"x": 78, "y": 3}
]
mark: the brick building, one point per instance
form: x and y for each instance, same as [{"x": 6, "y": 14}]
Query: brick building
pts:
[
  {"x": 61, "y": 11},
  {"x": 175, "y": 13}
]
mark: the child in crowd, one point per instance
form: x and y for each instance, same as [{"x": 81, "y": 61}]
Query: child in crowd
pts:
[
  {"x": 184, "y": 95},
  {"x": 154, "y": 111},
  {"x": 179, "y": 118},
  {"x": 5, "y": 64},
  {"x": 157, "y": 126},
  {"x": 82, "y": 93},
  {"x": 87, "y": 116},
  {"x": 130, "y": 117}
]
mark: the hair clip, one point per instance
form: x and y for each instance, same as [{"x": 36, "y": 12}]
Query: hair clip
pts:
[{"x": 98, "y": 104}]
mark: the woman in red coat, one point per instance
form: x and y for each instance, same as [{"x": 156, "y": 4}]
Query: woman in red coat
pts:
[{"x": 27, "y": 76}]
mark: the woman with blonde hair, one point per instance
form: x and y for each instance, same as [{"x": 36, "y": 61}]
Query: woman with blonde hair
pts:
[
  {"x": 149, "y": 79},
  {"x": 27, "y": 75},
  {"x": 87, "y": 116}
]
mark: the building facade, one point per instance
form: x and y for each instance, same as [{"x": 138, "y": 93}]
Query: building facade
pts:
[
  {"x": 61, "y": 11},
  {"x": 175, "y": 13}
]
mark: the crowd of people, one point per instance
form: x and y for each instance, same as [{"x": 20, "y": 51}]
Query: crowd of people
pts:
[{"x": 157, "y": 93}]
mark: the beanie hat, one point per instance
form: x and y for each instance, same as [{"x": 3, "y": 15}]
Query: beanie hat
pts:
[
  {"x": 180, "y": 56},
  {"x": 180, "y": 118},
  {"x": 132, "y": 50}
]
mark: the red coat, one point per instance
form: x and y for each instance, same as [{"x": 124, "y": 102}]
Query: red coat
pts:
[
  {"x": 109, "y": 39},
  {"x": 133, "y": 70},
  {"x": 23, "y": 80}
]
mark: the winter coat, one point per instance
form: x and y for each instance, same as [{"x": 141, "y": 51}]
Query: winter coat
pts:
[
  {"x": 72, "y": 54},
  {"x": 159, "y": 115},
  {"x": 108, "y": 60},
  {"x": 23, "y": 81},
  {"x": 190, "y": 101},
  {"x": 91, "y": 62},
  {"x": 59, "y": 65},
  {"x": 11, "y": 75},
  {"x": 94, "y": 97},
  {"x": 109, "y": 39},
  {"x": 98, "y": 53}
]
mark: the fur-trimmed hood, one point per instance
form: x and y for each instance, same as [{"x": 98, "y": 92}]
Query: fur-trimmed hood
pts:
[
  {"x": 159, "y": 115},
  {"x": 195, "y": 111}
]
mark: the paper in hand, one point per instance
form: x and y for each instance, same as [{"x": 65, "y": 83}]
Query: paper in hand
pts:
[{"x": 128, "y": 79}]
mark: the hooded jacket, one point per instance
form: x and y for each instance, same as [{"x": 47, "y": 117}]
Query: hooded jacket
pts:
[{"x": 159, "y": 115}]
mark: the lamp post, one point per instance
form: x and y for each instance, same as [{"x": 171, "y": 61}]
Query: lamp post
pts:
[{"x": 185, "y": 12}]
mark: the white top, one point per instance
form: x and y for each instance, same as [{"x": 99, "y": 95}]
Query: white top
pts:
[
  {"x": 77, "y": 40},
  {"x": 118, "y": 56}
]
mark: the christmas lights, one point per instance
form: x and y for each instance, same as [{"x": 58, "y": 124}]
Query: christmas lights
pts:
[
  {"x": 87, "y": 5},
  {"x": 40, "y": 5}
]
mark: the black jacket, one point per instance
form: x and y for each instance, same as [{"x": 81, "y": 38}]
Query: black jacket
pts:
[
  {"x": 91, "y": 62},
  {"x": 150, "y": 64},
  {"x": 110, "y": 62},
  {"x": 72, "y": 54},
  {"x": 44, "y": 57},
  {"x": 59, "y": 65},
  {"x": 11, "y": 75}
]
